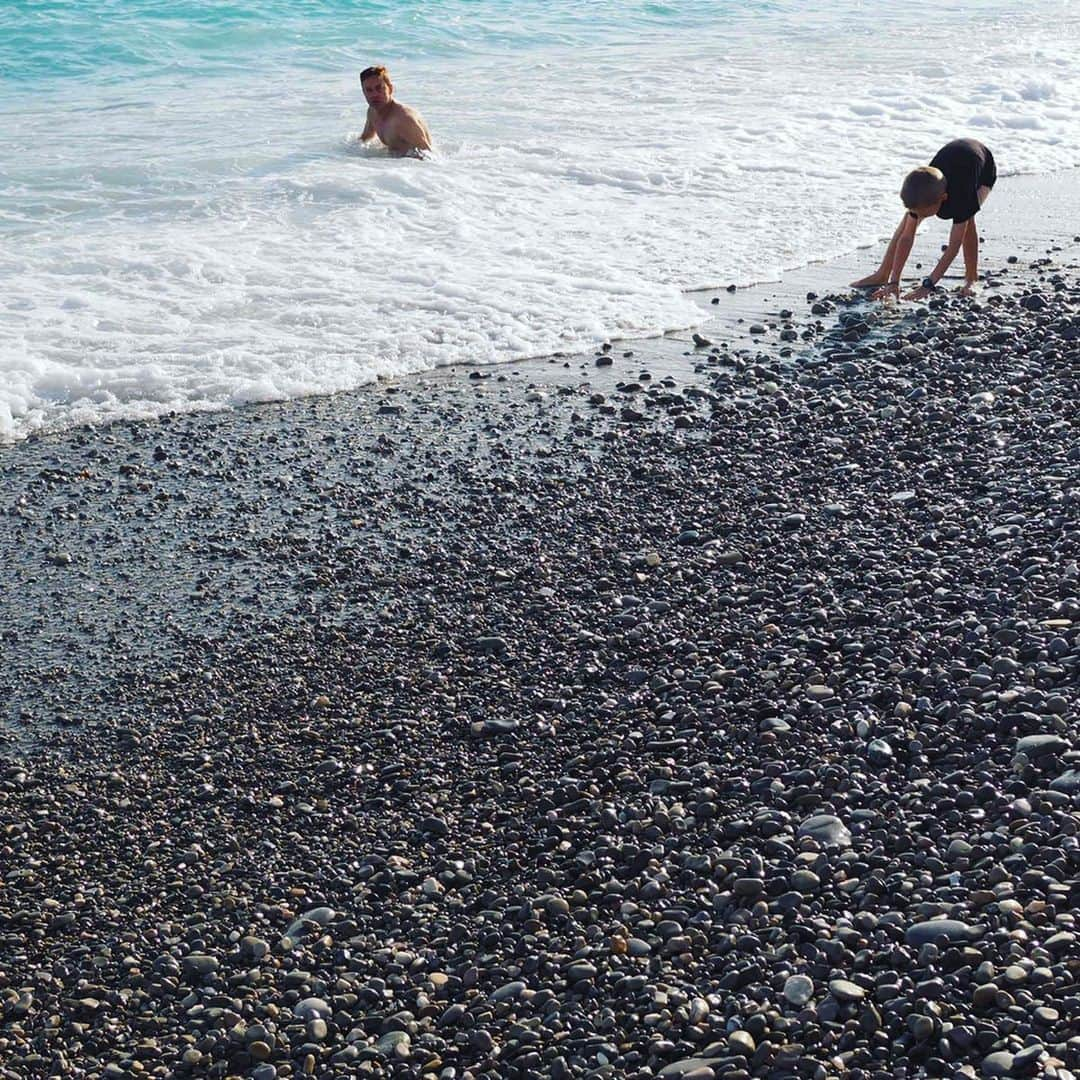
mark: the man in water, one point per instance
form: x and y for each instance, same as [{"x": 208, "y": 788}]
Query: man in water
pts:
[{"x": 401, "y": 129}]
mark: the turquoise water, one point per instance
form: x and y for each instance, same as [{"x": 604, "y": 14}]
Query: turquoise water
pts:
[
  {"x": 115, "y": 39},
  {"x": 187, "y": 220}
]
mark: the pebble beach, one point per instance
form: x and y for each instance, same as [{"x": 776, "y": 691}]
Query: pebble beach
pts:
[{"x": 563, "y": 721}]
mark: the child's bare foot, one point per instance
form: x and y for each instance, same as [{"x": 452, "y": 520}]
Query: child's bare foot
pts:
[
  {"x": 967, "y": 289},
  {"x": 870, "y": 281}
]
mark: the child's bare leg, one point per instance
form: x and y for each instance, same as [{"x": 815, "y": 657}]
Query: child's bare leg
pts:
[
  {"x": 971, "y": 257},
  {"x": 881, "y": 274}
]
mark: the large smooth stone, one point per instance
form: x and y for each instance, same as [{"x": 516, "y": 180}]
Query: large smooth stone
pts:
[
  {"x": 951, "y": 929},
  {"x": 826, "y": 829}
]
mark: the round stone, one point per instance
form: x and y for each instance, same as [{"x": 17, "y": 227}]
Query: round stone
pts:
[
  {"x": 199, "y": 964},
  {"x": 741, "y": 1042},
  {"x": 805, "y": 881},
  {"x": 254, "y": 948},
  {"x": 580, "y": 971},
  {"x": 1035, "y": 746},
  {"x": 508, "y": 991},
  {"x": 879, "y": 752},
  {"x": 389, "y": 1043},
  {"x": 1068, "y": 782},
  {"x": 748, "y": 887},
  {"x": 958, "y": 849},
  {"x": 798, "y": 989},
  {"x": 999, "y": 1063},
  {"x": 845, "y": 990},
  {"x": 951, "y": 929},
  {"x": 922, "y": 1027},
  {"x": 1026, "y": 1059},
  {"x": 826, "y": 829},
  {"x": 321, "y": 916},
  {"x": 259, "y": 1050},
  {"x": 311, "y": 1009}
]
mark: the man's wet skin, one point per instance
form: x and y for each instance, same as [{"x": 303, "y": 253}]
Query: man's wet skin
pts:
[{"x": 398, "y": 127}]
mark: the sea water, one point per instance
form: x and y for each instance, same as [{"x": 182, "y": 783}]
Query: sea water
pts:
[{"x": 187, "y": 220}]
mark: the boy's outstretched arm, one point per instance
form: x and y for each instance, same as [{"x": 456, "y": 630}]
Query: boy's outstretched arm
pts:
[
  {"x": 956, "y": 240},
  {"x": 904, "y": 240}
]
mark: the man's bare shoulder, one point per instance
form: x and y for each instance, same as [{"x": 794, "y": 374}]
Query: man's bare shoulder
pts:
[{"x": 407, "y": 110}]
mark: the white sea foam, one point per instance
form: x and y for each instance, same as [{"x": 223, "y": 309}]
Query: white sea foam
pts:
[{"x": 189, "y": 244}]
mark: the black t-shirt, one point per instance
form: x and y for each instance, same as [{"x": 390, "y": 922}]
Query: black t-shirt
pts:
[{"x": 967, "y": 166}]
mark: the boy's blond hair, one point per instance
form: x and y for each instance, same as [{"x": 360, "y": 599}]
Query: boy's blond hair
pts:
[{"x": 922, "y": 187}]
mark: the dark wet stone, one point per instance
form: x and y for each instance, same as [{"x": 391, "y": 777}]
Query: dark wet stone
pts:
[
  {"x": 491, "y": 646},
  {"x": 1035, "y": 746},
  {"x": 580, "y": 970},
  {"x": 312, "y": 1008},
  {"x": 952, "y": 930},
  {"x": 826, "y": 829},
  {"x": 1068, "y": 782},
  {"x": 198, "y": 964},
  {"x": 879, "y": 752},
  {"x": 805, "y": 881},
  {"x": 999, "y": 1063},
  {"x": 508, "y": 991},
  {"x": 845, "y": 990},
  {"x": 435, "y": 826},
  {"x": 500, "y": 725},
  {"x": 748, "y": 887}
]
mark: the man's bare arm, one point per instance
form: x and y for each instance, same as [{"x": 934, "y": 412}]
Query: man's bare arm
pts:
[
  {"x": 413, "y": 130},
  {"x": 369, "y": 127}
]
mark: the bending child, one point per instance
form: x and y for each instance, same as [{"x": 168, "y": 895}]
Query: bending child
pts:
[{"x": 954, "y": 186}]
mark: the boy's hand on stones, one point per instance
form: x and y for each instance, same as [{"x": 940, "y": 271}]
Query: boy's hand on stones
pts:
[{"x": 921, "y": 293}]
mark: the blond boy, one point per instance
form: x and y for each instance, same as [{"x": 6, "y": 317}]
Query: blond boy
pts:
[{"x": 953, "y": 186}]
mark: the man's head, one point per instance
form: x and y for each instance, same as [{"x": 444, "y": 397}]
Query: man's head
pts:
[
  {"x": 923, "y": 191},
  {"x": 378, "y": 89}
]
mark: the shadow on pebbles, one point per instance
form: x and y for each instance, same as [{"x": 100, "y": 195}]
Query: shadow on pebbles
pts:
[{"x": 723, "y": 729}]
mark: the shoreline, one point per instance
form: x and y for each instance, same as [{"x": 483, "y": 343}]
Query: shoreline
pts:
[
  {"x": 1025, "y": 221},
  {"x": 709, "y": 714}
]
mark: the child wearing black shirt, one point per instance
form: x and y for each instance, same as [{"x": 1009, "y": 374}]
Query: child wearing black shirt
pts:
[{"x": 953, "y": 186}]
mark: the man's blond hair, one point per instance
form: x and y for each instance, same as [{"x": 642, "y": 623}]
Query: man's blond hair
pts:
[
  {"x": 377, "y": 71},
  {"x": 922, "y": 187}
]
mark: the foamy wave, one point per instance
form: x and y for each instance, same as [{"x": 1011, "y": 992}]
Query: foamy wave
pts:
[{"x": 189, "y": 243}]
